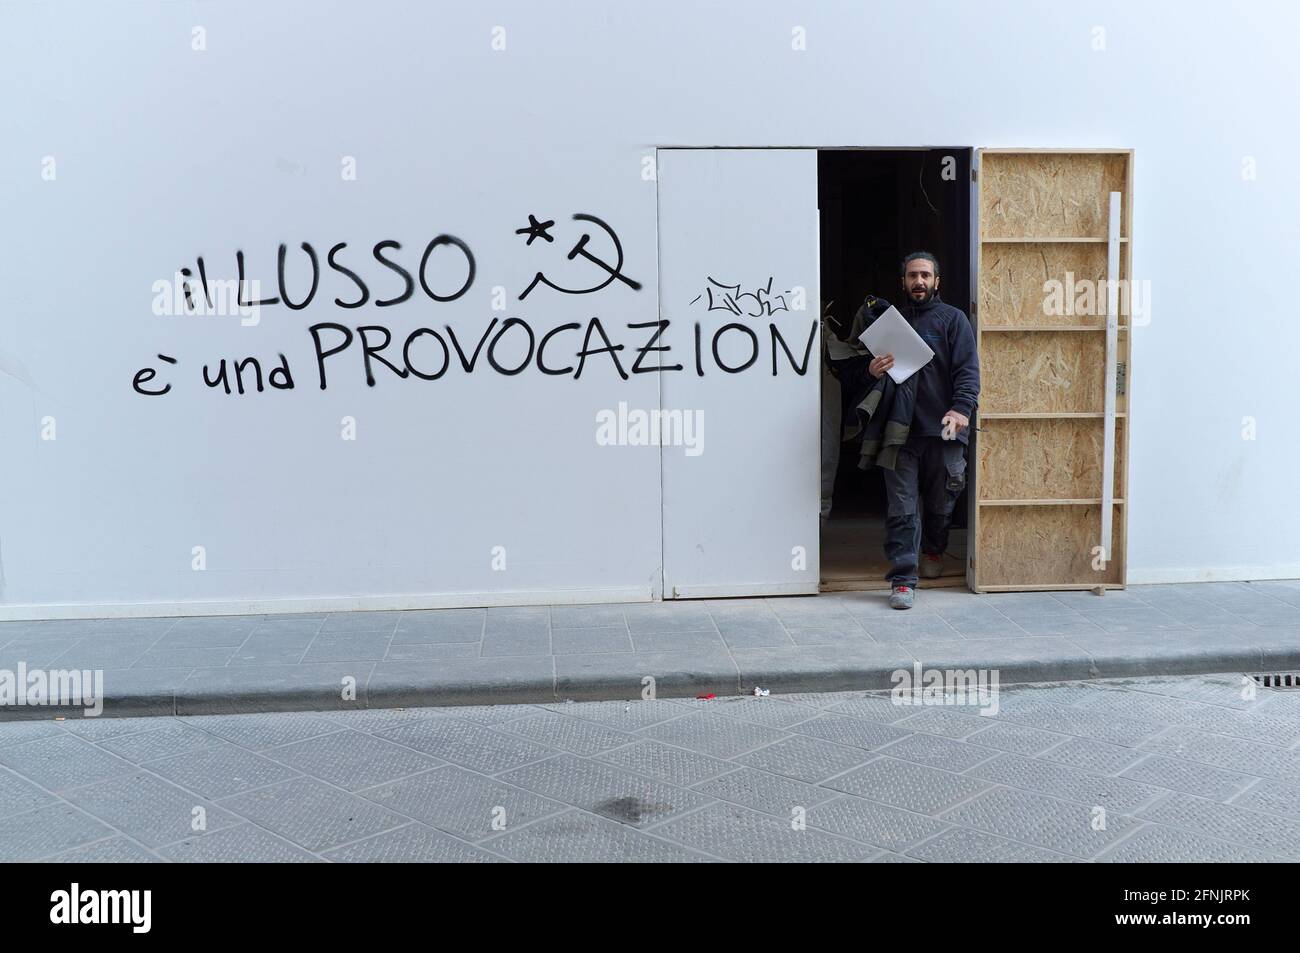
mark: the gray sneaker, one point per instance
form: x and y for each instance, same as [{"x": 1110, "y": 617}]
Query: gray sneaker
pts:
[
  {"x": 901, "y": 597},
  {"x": 931, "y": 566}
]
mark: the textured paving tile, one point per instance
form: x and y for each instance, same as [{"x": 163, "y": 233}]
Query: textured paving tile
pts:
[
  {"x": 479, "y": 714},
  {"x": 937, "y": 752},
  {"x": 412, "y": 843},
  {"x": 873, "y": 823},
  {"x": 242, "y": 844},
  {"x": 1063, "y": 826},
  {"x": 1220, "y": 752},
  {"x": 380, "y": 719},
  {"x": 469, "y": 745},
  {"x": 1155, "y": 844},
  {"x": 1086, "y": 724},
  {"x": 17, "y": 794},
  {"x": 266, "y": 730},
  {"x": 311, "y": 814},
  {"x": 847, "y": 730},
  {"x": 461, "y": 802},
  {"x": 624, "y": 716},
  {"x": 874, "y": 707},
  {"x": 1272, "y": 797},
  {"x": 1015, "y": 738},
  {"x": 1095, "y": 757},
  {"x": 948, "y": 722},
  {"x": 112, "y": 850},
  {"x": 100, "y": 729},
  {"x": 47, "y": 830},
  {"x": 964, "y": 846},
  {"x": 1227, "y": 822},
  {"x": 805, "y": 759},
  {"x": 351, "y": 759},
  {"x": 1067, "y": 783},
  {"x": 769, "y": 793},
  {"x": 150, "y": 810},
  {"x": 174, "y": 738},
  {"x": 1186, "y": 776},
  {"x": 578, "y": 837},
  {"x": 220, "y": 771},
  {"x": 567, "y": 734},
  {"x": 712, "y": 734},
  {"x": 1187, "y": 769},
  {"x": 770, "y": 711},
  {"x": 666, "y": 762},
  {"x": 740, "y": 834},
  {"x": 605, "y": 790},
  {"x": 907, "y": 785},
  {"x": 63, "y": 762}
]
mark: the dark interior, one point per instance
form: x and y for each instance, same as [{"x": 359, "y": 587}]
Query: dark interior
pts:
[{"x": 876, "y": 206}]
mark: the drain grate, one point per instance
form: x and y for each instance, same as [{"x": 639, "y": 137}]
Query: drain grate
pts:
[{"x": 1278, "y": 679}]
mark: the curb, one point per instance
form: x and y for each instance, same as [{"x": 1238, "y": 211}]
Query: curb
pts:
[{"x": 675, "y": 675}]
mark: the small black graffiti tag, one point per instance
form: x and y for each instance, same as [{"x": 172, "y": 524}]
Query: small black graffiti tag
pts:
[{"x": 729, "y": 298}]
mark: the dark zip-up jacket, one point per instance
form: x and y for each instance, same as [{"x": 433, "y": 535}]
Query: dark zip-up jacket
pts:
[{"x": 951, "y": 380}]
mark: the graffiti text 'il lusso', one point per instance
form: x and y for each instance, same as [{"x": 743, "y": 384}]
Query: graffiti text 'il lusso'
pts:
[{"x": 508, "y": 347}]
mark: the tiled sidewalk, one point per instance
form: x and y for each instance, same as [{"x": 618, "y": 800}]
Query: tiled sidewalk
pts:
[
  {"x": 831, "y": 642},
  {"x": 1182, "y": 769}
]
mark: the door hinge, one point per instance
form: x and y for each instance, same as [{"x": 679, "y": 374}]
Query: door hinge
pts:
[
  {"x": 1121, "y": 375},
  {"x": 974, "y": 174}
]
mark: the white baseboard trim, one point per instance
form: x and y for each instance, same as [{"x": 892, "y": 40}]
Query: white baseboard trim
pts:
[
  {"x": 740, "y": 590},
  {"x": 1138, "y": 577},
  {"x": 449, "y": 600}
]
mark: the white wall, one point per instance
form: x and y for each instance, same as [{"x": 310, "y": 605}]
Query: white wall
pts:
[{"x": 164, "y": 153}]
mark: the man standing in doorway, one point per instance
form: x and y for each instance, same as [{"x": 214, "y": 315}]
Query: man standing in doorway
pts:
[{"x": 922, "y": 489}]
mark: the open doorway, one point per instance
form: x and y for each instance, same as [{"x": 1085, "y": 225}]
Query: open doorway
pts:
[{"x": 876, "y": 206}]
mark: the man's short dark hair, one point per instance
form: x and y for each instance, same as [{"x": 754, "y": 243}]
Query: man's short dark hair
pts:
[{"x": 927, "y": 256}]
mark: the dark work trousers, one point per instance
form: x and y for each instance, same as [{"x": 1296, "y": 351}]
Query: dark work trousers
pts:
[{"x": 920, "y": 493}]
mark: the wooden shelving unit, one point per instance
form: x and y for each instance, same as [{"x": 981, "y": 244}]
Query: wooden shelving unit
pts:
[{"x": 1052, "y": 424}]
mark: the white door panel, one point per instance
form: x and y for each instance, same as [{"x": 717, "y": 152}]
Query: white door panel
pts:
[{"x": 738, "y": 284}]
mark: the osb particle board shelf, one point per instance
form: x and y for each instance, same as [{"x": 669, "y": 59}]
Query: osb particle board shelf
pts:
[
  {"x": 1048, "y": 239},
  {"x": 1063, "y": 587},
  {"x": 1050, "y": 327},
  {"x": 1080, "y": 502},
  {"x": 1046, "y": 415}
]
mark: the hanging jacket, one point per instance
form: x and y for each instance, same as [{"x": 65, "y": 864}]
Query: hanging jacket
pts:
[
  {"x": 877, "y": 408},
  {"x": 886, "y": 414}
]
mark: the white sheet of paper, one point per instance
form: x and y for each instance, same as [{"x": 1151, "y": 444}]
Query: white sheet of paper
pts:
[{"x": 891, "y": 334}]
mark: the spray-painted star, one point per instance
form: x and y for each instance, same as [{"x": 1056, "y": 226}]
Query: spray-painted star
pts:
[{"x": 536, "y": 229}]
